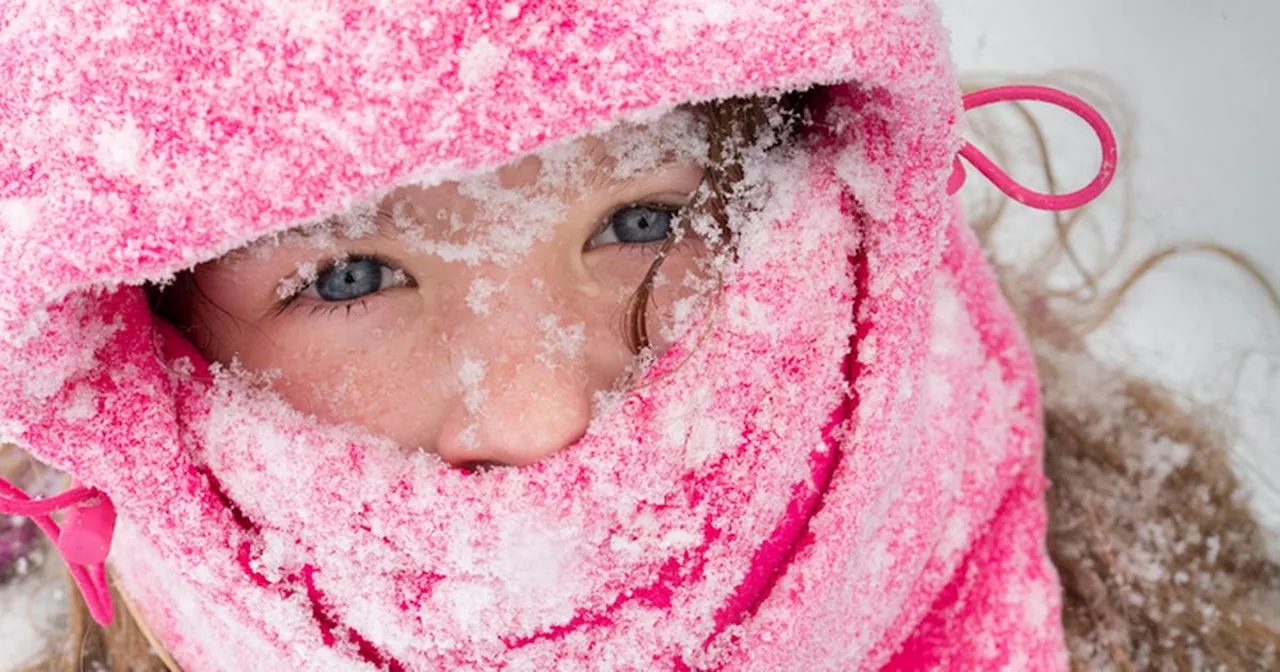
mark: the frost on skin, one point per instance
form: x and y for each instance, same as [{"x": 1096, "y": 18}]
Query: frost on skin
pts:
[
  {"x": 295, "y": 283},
  {"x": 481, "y": 290},
  {"x": 471, "y": 376},
  {"x": 559, "y": 343}
]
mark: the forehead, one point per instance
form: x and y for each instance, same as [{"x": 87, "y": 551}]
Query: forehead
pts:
[
  {"x": 592, "y": 161},
  {"x": 533, "y": 188}
]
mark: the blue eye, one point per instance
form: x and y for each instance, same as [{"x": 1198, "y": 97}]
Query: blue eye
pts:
[
  {"x": 635, "y": 224},
  {"x": 351, "y": 279}
]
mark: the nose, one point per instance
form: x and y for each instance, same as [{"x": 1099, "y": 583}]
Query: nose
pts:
[{"x": 516, "y": 414}]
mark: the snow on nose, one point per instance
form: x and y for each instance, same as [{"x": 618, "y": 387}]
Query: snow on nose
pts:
[{"x": 516, "y": 415}]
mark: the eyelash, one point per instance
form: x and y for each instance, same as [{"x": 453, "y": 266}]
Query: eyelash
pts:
[
  {"x": 326, "y": 308},
  {"x": 645, "y": 247}
]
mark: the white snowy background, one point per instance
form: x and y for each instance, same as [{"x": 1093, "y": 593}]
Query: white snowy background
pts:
[{"x": 1201, "y": 85}]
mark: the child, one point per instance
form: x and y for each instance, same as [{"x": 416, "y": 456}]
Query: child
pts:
[{"x": 491, "y": 335}]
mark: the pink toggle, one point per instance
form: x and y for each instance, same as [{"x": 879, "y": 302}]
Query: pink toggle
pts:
[
  {"x": 84, "y": 540},
  {"x": 1011, "y": 187},
  {"x": 86, "y": 531}
]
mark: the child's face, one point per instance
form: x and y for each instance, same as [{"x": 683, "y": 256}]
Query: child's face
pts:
[{"x": 476, "y": 319}]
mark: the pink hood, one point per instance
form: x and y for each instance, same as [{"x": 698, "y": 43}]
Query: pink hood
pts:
[{"x": 777, "y": 501}]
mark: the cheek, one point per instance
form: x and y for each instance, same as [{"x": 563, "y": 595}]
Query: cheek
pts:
[
  {"x": 682, "y": 273},
  {"x": 619, "y": 273},
  {"x": 375, "y": 377}
]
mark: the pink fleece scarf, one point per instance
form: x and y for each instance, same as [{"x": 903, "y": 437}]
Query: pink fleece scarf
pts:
[{"x": 844, "y": 474}]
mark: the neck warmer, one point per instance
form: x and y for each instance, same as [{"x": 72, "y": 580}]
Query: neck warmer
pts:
[{"x": 839, "y": 470}]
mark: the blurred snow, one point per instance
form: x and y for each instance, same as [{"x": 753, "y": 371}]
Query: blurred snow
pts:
[
  {"x": 31, "y": 613},
  {"x": 1201, "y": 102}
]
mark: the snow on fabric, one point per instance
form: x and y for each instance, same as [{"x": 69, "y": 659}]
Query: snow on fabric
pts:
[{"x": 769, "y": 499}]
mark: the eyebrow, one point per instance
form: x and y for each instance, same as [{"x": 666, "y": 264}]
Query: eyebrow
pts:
[
  {"x": 598, "y": 156},
  {"x": 599, "y": 175},
  {"x": 384, "y": 224},
  {"x": 383, "y": 221},
  {"x": 602, "y": 176}
]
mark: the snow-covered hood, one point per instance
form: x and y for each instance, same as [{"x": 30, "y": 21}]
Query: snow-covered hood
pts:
[{"x": 843, "y": 475}]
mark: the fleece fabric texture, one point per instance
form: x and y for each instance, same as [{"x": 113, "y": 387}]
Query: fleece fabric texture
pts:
[{"x": 843, "y": 474}]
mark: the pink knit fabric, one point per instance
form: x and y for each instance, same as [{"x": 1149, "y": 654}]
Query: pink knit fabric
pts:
[{"x": 844, "y": 474}]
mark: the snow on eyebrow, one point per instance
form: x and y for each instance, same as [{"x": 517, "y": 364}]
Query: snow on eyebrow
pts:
[
  {"x": 513, "y": 219},
  {"x": 357, "y": 222},
  {"x": 626, "y": 151},
  {"x": 508, "y": 221}
]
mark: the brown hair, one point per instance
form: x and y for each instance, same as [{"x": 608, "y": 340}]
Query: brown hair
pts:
[
  {"x": 1159, "y": 571},
  {"x": 1162, "y": 562},
  {"x": 734, "y": 127}
]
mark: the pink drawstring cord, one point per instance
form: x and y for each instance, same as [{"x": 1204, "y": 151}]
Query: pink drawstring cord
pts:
[
  {"x": 1010, "y": 186},
  {"x": 83, "y": 540}
]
